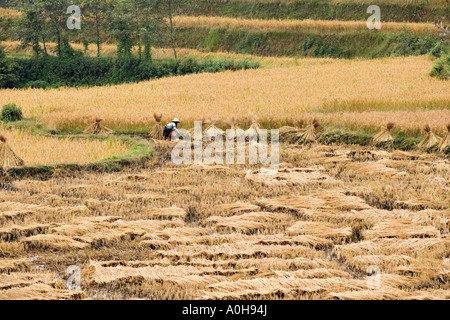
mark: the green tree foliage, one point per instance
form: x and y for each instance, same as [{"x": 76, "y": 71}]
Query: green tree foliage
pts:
[
  {"x": 95, "y": 13},
  {"x": 31, "y": 28},
  {"x": 55, "y": 12},
  {"x": 42, "y": 21},
  {"x": 170, "y": 8},
  {"x": 121, "y": 24},
  {"x": 441, "y": 67},
  {"x": 8, "y": 71},
  {"x": 11, "y": 112}
]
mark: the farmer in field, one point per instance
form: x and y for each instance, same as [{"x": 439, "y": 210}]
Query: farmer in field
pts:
[{"x": 171, "y": 132}]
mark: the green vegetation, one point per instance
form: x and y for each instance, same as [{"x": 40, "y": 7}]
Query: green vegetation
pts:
[
  {"x": 130, "y": 23},
  {"x": 11, "y": 112},
  {"x": 317, "y": 10},
  {"x": 364, "y": 43},
  {"x": 8, "y": 71},
  {"x": 441, "y": 67},
  {"x": 52, "y": 72}
]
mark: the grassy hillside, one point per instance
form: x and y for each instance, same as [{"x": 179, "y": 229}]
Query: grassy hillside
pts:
[
  {"x": 364, "y": 43},
  {"x": 314, "y": 38},
  {"x": 412, "y": 11}
]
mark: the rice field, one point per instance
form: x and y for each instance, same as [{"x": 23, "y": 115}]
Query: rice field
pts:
[
  {"x": 131, "y": 236},
  {"x": 341, "y": 92},
  {"x": 335, "y": 222},
  {"x": 317, "y": 26},
  {"x": 42, "y": 150}
]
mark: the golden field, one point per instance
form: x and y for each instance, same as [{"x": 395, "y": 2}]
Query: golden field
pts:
[
  {"x": 37, "y": 150},
  {"x": 315, "y": 229},
  {"x": 179, "y": 232},
  {"x": 356, "y": 92},
  {"x": 319, "y": 26}
]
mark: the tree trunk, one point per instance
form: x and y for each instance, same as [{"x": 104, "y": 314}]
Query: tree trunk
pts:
[
  {"x": 171, "y": 30},
  {"x": 98, "y": 37},
  {"x": 139, "y": 42},
  {"x": 59, "y": 43},
  {"x": 45, "y": 45}
]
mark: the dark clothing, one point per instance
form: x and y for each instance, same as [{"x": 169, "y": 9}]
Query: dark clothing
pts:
[{"x": 168, "y": 130}]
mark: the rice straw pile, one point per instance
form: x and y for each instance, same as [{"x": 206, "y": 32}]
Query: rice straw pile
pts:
[
  {"x": 310, "y": 135},
  {"x": 291, "y": 134},
  {"x": 385, "y": 136},
  {"x": 8, "y": 159},
  {"x": 254, "y": 131},
  {"x": 97, "y": 128},
  {"x": 430, "y": 141},
  {"x": 204, "y": 123},
  {"x": 157, "y": 131},
  {"x": 232, "y": 124},
  {"x": 446, "y": 141},
  {"x": 213, "y": 131}
]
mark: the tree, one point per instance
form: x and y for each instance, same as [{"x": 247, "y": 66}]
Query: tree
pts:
[
  {"x": 97, "y": 11},
  {"x": 121, "y": 24},
  {"x": 8, "y": 71},
  {"x": 31, "y": 28},
  {"x": 175, "y": 7},
  {"x": 30, "y": 32},
  {"x": 149, "y": 24},
  {"x": 136, "y": 22},
  {"x": 55, "y": 11}
]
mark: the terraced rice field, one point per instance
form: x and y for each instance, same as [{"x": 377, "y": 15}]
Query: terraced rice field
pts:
[
  {"x": 357, "y": 92},
  {"x": 318, "y": 230}
]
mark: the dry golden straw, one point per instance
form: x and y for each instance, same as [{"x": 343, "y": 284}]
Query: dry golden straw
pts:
[
  {"x": 446, "y": 141},
  {"x": 98, "y": 128},
  {"x": 157, "y": 131},
  {"x": 385, "y": 136},
  {"x": 431, "y": 140},
  {"x": 310, "y": 134},
  {"x": 319, "y": 26},
  {"x": 282, "y": 95},
  {"x": 8, "y": 159}
]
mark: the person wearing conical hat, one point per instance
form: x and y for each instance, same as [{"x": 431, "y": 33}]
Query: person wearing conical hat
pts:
[{"x": 171, "y": 132}]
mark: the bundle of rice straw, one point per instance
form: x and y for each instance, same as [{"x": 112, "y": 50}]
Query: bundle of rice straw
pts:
[
  {"x": 232, "y": 124},
  {"x": 446, "y": 141},
  {"x": 291, "y": 134},
  {"x": 310, "y": 134},
  {"x": 157, "y": 131},
  {"x": 97, "y": 128},
  {"x": 430, "y": 141},
  {"x": 204, "y": 123},
  {"x": 213, "y": 131},
  {"x": 385, "y": 135},
  {"x": 8, "y": 159},
  {"x": 254, "y": 130}
]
